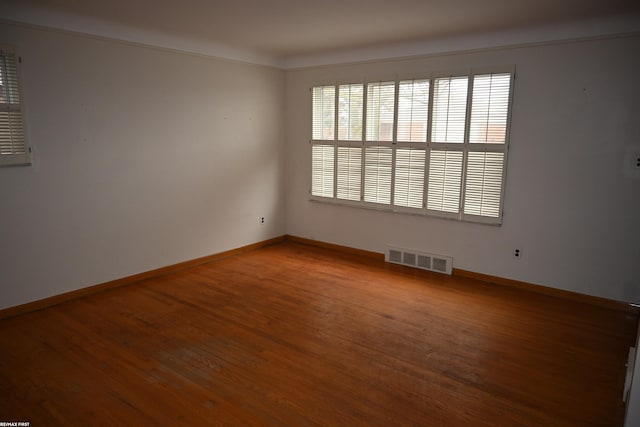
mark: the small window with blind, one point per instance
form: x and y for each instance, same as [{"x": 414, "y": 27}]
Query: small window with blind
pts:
[
  {"x": 13, "y": 143},
  {"x": 436, "y": 146}
]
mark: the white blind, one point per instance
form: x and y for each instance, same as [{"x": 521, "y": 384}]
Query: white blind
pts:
[
  {"x": 409, "y": 178},
  {"x": 483, "y": 184},
  {"x": 350, "y": 109},
  {"x": 413, "y": 110},
  {"x": 349, "y": 173},
  {"x": 436, "y": 146},
  {"x": 445, "y": 177},
  {"x": 380, "y": 111},
  {"x": 324, "y": 104},
  {"x": 377, "y": 175},
  {"x": 449, "y": 109},
  {"x": 490, "y": 108},
  {"x": 322, "y": 161},
  {"x": 13, "y": 144}
]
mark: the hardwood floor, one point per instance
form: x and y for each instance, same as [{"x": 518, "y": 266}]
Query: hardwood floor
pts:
[{"x": 294, "y": 335}]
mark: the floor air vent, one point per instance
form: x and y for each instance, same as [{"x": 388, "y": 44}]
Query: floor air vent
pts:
[{"x": 422, "y": 260}]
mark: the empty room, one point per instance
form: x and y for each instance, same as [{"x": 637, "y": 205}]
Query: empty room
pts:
[{"x": 342, "y": 213}]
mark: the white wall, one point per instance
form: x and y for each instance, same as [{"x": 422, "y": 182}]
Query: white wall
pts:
[
  {"x": 568, "y": 205},
  {"x": 142, "y": 158}
]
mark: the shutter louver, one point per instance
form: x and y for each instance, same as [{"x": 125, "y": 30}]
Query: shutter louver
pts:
[
  {"x": 350, "y": 104},
  {"x": 349, "y": 173},
  {"x": 490, "y": 108},
  {"x": 322, "y": 162},
  {"x": 377, "y": 175},
  {"x": 483, "y": 184},
  {"x": 413, "y": 110},
  {"x": 436, "y": 146},
  {"x": 380, "y": 111},
  {"x": 449, "y": 109},
  {"x": 409, "y": 178},
  {"x": 324, "y": 104},
  {"x": 11, "y": 133},
  {"x": 445, "y": 177},
  {"x": 13, "y": 143}
]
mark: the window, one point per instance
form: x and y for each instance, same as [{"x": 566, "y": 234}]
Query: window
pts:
[
  {"x": 13, "y": 143},
  {"x": 436, "y": 146},
  {"x": 413, "y": 110},
  {"x": 380, "y": 111},
  {"x": 349, "y": 170},
  {"x": 324, "y": 115}
]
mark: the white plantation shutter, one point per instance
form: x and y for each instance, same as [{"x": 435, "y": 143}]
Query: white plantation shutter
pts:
[
  {"x": 449, "y": 109},
  {"x": 413, "y": 110},
  {"x": 350, "y": 109},
  {"x": 380, "y": 111},
  {"x": 483, "y": 184},
  {"x": 322, "y": 161},
  {"x": 436, "y": 146},
  {"x": 445, "y": 177},
  {"x": 484, "y": 178},
  {"x": 409, "y": 178},
  {"x": 490, "y": 108},
  {"x": 324, "y": 114},
  {"x": 377, "y": 175},
  {"x": 13, "y": 143},
  {"x": 349, "y": 173}
]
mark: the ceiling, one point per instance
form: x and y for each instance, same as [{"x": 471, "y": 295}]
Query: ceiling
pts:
[{"x": 288, "y": 28}]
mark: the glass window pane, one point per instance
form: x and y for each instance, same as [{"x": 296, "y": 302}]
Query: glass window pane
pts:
[
  {"x": 413, "y": 110},
  {"x": 490, "y": 108},
  {"x": 324, "y": 110},
  {"x": 449, "y": 109},
  {"x": 350, "y": 100},
  {"x": 380, "y": 111}
]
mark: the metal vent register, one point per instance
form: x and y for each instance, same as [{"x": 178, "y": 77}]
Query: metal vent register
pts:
[{"x": 421, "y": 260}]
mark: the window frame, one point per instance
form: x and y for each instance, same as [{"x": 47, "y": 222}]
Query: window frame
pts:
[
  {"x": 22, "y": 158},
  {"x": 429, "y": 146}
]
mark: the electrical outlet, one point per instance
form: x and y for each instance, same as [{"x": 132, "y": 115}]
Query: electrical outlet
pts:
[
  {"x": 262, "y": 220},
  {"x": 632, "y": 162},
  {"x": 517, "y": 253}
]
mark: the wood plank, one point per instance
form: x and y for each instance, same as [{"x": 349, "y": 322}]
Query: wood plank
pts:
[
  {"x": 135, "y": 278},
  {"x": 545, "y": 290},
  {"x": 339, "y": 248},
  {"x": 293, "y": 335}
]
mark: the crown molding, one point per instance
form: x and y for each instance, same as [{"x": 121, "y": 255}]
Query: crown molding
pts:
[
  {"x": 550, "y": 34},
  {"x": 25, "y": 14}
]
